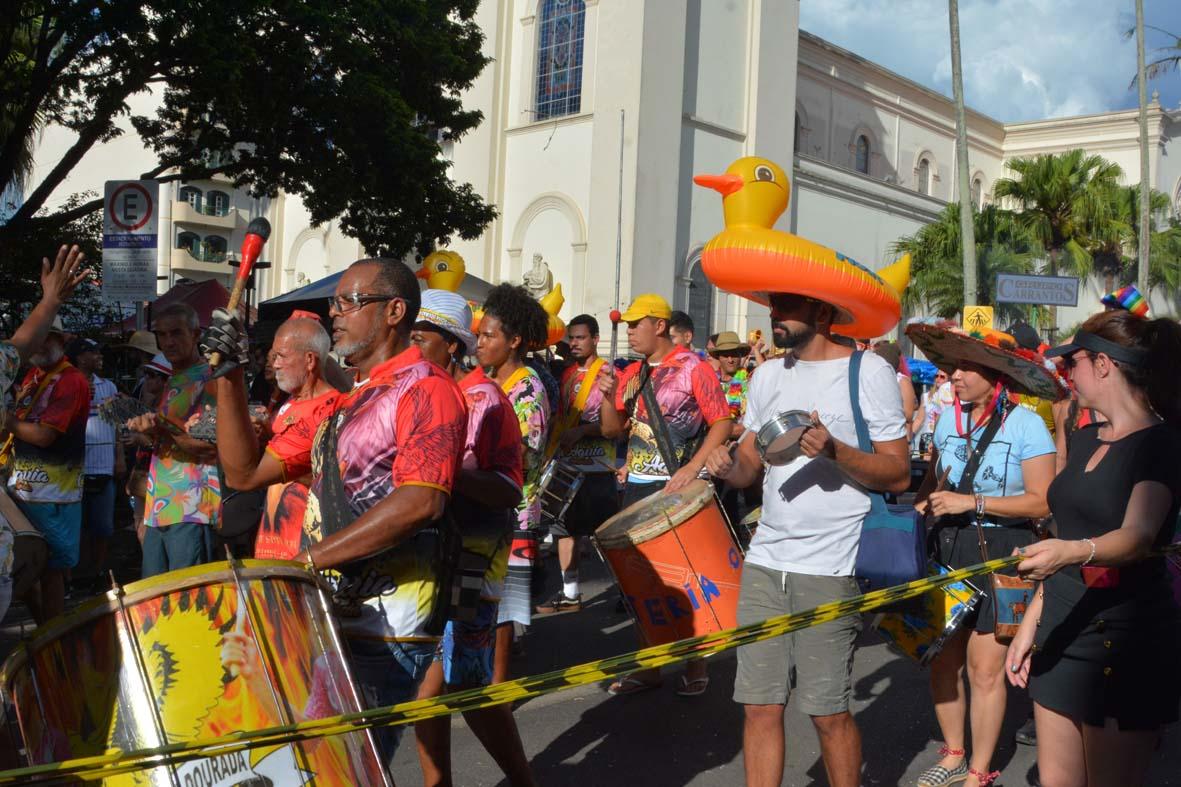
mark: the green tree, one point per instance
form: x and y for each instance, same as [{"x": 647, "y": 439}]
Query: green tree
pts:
[
  {"x": 1167, "y": 57},
  {"x": 1116, "y": 244},
  {"x": 1003, "y": 245},
  {"x": 340, "y": 103},
  {"x": 1064, "y": 201}
]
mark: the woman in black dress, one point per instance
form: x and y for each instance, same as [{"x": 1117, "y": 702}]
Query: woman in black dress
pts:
[{"x": 1098, "y": 647}]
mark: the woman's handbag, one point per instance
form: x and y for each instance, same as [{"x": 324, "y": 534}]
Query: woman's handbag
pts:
[
  {"x": 892, "y": 549},
  {"x": 1011, "y": 596}
]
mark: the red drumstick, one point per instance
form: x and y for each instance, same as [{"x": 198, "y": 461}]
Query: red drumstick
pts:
[{"x": 257, "y": 233}]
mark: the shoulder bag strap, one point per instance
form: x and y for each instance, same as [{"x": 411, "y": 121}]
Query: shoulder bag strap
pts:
[
  {"x": 877, "y": 504},
  {"x": 964, "y": 487},
  {"x": 656, "y": 421}
]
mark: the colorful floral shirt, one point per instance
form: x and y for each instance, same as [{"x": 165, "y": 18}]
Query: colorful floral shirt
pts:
[
  {"x": 293, "y": 428},
  {"x": 527, "y": 394},
  {"x": 60, "y": 399},
  {"x": 493, "y": 444},
  {"x": 180, "y": 487},
  {"x": 591, "y": 454},
  {"x": 404, "y": 426},
  {"x": 734, "y": 390},
  {"x": 690, "y": 399}
]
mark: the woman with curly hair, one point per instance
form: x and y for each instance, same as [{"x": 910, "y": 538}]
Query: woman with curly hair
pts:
[
  {"x": 513, "y": 324},
  {"x": 1098, "y": 646}
]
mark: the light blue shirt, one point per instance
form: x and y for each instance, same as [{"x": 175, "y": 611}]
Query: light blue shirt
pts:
[{"x": 1022, "y": 436}]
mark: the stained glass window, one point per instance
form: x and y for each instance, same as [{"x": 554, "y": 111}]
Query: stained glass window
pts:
[{"x": 559, "y": 58}]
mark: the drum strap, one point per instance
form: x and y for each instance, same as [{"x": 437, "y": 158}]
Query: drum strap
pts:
[{"x": 664, "y": 442}]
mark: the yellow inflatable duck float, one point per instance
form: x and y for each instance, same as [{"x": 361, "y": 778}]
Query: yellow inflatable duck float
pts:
[
  {"x": 552, "y": 303},
  {"x": 443, "y": 270},
  {"x": 752, "y": 259}
]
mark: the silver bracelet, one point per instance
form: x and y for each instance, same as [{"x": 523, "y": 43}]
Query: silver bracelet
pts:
[{"x": 1092, "y": 555}]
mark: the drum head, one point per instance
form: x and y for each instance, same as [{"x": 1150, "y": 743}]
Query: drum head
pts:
[
  {"x": 656, "y": 514},
  {"x": 778, "y": 438}
]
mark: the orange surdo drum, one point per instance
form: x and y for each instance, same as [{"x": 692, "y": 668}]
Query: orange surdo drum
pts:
[
  {"x": 192, "y": 655},
  {"x": 676, "y": 563}
]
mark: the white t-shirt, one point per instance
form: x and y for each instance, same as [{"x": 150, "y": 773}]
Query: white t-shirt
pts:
[{"x": 812, "y": 511}]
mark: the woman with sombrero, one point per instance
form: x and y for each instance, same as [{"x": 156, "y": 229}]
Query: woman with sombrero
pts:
[{"x": 1005, "y": 493}]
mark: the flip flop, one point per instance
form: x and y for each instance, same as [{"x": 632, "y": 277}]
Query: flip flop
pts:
[
  {"x": 692, "y": 688},
  {"x": 629, "y": 685}
]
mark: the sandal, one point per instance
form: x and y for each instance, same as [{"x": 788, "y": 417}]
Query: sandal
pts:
[
  {"x": 692, "y": 688},
  {"x": 629, "y": 685},
  {"x": 941, "y": 776},
  {"x": 984, "y": 778}
]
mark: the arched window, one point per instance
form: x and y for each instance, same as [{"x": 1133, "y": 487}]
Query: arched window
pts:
[
  {"x": 701, "y": 301},
  {"x": 217, "y": 203},
  {"x": 215, "y": 248},
  {"x": 861, "y": 161},
  {"x": 923, "y": 177},
  {"x": 977, "y": 191},
  {"x": 191, "y": 195},
  {"x": 559, "y": 58},
  {"x": 796, "y": 138},
  {"x": 190, "y": 241}
]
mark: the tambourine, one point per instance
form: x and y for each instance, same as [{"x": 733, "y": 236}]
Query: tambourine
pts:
[{"x": 777, "y": 439}]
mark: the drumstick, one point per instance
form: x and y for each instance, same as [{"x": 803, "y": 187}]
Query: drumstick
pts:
[
  {"x": 257, "y": 232},
  {"x": 239, "y": 620},
  {"x": 939, "y": 486}
]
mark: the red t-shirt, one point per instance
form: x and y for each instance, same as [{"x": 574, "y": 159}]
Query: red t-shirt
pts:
[
  {"x": 61, "y": 402},
  {"x": 690, "y": 399},
  {"x": 293, "y": 428}
]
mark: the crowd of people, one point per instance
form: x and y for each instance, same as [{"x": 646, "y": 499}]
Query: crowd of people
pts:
[{"x": 404, "y": 454}]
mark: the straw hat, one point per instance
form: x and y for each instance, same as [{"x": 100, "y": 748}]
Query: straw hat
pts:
[
  {"x": 728, "y": 342},
  {"x": 1024, "y": 371},
  {"x": 449, "y": 311},
  {"x": 144, "y": 341}
]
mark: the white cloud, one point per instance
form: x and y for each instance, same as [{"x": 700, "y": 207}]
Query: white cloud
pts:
[{"x": 1023, "y": 59}]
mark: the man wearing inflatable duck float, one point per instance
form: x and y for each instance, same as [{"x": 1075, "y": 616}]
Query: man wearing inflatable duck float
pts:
[{"x": 805, "y": 547}]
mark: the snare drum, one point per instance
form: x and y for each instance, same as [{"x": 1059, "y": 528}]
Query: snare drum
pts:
[
  {"x": 191, "y": 655},
  {"x": 777, "y": 440},
  {"x": 676, "y": 563},
  {"x": 559, "y": 484},
  {"x": 930, "y": 621}
]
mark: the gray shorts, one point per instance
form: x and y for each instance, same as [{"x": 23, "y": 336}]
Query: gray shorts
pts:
[{"x": 816, "y": 661}]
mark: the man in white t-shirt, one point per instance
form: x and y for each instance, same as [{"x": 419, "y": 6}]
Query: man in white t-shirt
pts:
[{"x": 804, "y": 550}]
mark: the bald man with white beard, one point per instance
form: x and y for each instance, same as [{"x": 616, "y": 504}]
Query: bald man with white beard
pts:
[{"x": 300, "y": 361}]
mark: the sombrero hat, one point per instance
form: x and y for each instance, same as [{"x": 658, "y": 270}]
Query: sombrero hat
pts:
[{"x": 1024, "y": 371}]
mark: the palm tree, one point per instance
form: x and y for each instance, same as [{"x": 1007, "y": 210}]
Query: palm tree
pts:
[
  {"x": 1168, "y": 57},
  {"x": 1003, "y": 245},
  {"x": 1115, "y": 244},
  {"x": 1062, "y": 199},
  {"x": 18, "y": 50}
]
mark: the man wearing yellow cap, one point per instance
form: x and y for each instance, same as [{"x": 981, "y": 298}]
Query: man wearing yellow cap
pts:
[{"x": 697, "y": 419}]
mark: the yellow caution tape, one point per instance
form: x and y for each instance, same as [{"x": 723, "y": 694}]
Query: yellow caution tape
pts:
[{"x": 113, "y": 764}]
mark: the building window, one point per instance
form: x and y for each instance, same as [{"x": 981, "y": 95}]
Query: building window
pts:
[
  {"x": 977, "y": 191},
  {"x": 923, "y": 177},
  {"x": 796, "y": 138},
  {"x": 559, "y": 58},
  {"x": 861, "y": 162},
  {"x": 218, "y": 203},
  {"x": 190, "y": 241},
  {"x": 191, "y": 195},
  {"x": 701, "y": 301},
  {"x": 214, "y": 249}
]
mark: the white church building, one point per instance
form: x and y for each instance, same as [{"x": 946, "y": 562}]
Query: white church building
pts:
[{"x": 597, "y": 113}]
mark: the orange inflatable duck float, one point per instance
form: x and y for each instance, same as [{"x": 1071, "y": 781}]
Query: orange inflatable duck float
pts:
[
  {"x": 552, "y": 303},
  {"x": 752, "y": 259}
]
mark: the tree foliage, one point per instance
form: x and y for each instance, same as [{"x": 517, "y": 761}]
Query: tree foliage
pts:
[
  {"x": 340, "y": 103},
  {"x": 1064, "y": 200},
  {"x": 1003, "y": 245}
]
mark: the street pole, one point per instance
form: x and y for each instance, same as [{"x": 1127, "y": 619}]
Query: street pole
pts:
[
  {"x": 967, "y": 209},
  {"x": 618, "y": 239},
  {"x": 1145, "y": 185}
]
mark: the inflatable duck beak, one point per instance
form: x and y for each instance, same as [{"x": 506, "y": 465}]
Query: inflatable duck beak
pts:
[
  {"x": 723, "y": 184},
  {"x": 424, "y": 272}
]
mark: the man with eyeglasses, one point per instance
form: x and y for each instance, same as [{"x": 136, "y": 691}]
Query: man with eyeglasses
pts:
[
  {"x": 382, "y": 467},
  {"x": 805, "y": 547}
]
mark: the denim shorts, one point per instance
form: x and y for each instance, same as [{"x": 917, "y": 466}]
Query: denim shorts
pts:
[
  {"x": 468, "y": 647},
  {"x": 61, "y": 524},
  {"x": 98, "y": 505},
  {"x": 817, "y": 661},
  {"x": 389, "y": 673}
]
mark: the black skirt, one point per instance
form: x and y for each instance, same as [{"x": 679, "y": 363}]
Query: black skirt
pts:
[
  {"x": 959, "y": 547},
  {"x": 1092, "y": 668}
]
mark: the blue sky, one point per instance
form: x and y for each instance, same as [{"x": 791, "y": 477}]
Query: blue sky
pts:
[{"x": 1023, "y": 59}]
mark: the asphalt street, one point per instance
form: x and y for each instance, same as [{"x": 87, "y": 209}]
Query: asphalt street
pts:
[{"x": 584, "y": 736}]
